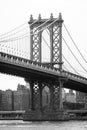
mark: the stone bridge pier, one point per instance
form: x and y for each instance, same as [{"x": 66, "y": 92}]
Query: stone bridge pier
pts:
[{"x": 54, "y": 110}]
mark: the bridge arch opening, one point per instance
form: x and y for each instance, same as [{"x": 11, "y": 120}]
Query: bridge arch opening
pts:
[
  {"x": 45, "y": 46},
  {"x": 45, "y": 97}
]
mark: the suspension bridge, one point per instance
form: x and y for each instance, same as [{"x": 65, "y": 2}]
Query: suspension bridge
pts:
[{"x": 34, "y": 51}]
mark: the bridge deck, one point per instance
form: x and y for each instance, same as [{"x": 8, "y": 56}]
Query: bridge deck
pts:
[{"x": 23, "y": 67}]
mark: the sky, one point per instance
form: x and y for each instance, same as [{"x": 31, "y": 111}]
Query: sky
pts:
[{"x": 13, "y": 13}]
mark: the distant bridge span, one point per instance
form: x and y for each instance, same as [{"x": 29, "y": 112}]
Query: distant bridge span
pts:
[{"x": 13, "y": 65}]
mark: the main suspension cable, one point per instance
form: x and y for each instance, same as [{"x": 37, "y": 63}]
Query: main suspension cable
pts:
[
  {"x": 63, "y": 56},
  {"x": 20, "y": 37},
  {"x": 70, "y": 65},
  {"x": 73, "y": 54},
  {"x": 74, "y": 43},
  {"x": 45, "y": 26},
  {"x": 12, "y": 30}
]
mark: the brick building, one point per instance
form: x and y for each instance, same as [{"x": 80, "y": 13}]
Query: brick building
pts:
[
  {"x": 15, "y": 100},
  {"x": 80, "y": 97},
  {"x": 70, "y": 97},
  {"x": 21, "y": 98},
  {"x": 6, "y": 100}
]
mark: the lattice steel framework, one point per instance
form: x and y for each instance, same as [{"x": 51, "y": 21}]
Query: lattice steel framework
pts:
[
  {"x": 55, "y": 28},
  {"x": 56, "y": 97},
  {"x": 36, "y": 94},
  {"x": 56, "y": 42},
  {"x": 35, "y": 39}
]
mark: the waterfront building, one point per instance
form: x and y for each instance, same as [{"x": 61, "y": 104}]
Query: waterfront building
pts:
[
  {"x": 7, "y": 100},
  {"x": 80, "y": 97},
  {"x": 21, "y": 98},
  {"x": 70, "y": 96},
  {"x": 9, "y": 97}
]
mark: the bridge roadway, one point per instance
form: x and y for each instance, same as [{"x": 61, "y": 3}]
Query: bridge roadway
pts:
[{"x": 18, "y": 66}]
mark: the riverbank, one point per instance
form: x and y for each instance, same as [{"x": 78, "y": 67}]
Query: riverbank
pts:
[{"x": 37, "y": 116}]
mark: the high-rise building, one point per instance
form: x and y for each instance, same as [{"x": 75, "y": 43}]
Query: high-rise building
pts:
[
  {"x": 21, "y": 98},
  {"x": 7, "y": 100},
  {"x": 9, "y": 96},
  {"x": 70, "y": 97},
  {"x": 80, "y": 97}
]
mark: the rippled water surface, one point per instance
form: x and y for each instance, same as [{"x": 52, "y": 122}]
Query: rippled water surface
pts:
[{"x": 20, "y": 125}]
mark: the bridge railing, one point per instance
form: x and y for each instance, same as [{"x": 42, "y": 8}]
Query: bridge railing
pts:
[
  {"x": 72, "y": 75},
  {"x": 24, "y": 61},
  {"x": 27, "y": 62}
]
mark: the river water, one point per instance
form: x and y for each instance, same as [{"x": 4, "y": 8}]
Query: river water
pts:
[{"x": 20, "y": 125}]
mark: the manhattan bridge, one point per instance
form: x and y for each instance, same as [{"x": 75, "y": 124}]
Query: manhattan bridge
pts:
[{"x": 34, "y": 51}]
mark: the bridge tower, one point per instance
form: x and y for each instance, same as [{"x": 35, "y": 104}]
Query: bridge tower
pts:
[
  {"x": 55, "y": 29},
  {"x": 37, "y": 84}
]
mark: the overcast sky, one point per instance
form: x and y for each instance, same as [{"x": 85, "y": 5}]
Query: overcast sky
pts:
[{"x": 74, "y": 12}]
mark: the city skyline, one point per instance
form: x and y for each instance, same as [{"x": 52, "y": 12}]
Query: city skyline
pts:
[{"x": 10, "y": 82}]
